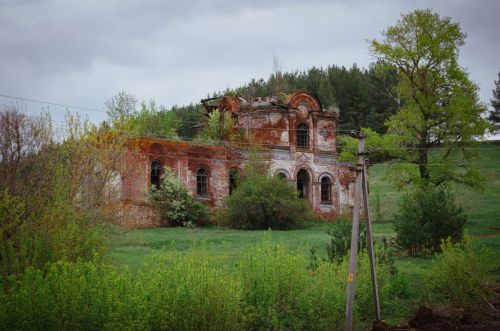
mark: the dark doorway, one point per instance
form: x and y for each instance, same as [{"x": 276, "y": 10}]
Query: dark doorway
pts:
[{"x": 303, "y": 183}]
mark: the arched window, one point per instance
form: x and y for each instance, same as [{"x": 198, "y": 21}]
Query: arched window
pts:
[
  {"x": 233, "y": 180},
  {"x": 201, "y": 182},
  {"x": 281, "y": 175},
  {"x": 302, "y": 135},
  {"x": 156, "y": 172},
  {"x": 326, "y": 190},
  {"x": 303, "y": 183}
]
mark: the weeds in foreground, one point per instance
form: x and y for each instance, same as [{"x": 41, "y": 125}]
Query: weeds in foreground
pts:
[{"x": 269, "y": 287}]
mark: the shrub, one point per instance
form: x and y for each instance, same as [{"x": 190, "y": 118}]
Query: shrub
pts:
[
  {"x": 174, "y": 203},
  {"x": 457, "y": 275},
  {"x": 68, "y": 296},
  {"x": 187, "y": 291},
  {"x": 427, "y": 216},
  {"x": 262, "y": 202},
  {"x": 280, "y": 292},
  {"x": 58, "y": 233},
  {"x": 340, "y": 238},
  {"x": 340, "y": 244}
]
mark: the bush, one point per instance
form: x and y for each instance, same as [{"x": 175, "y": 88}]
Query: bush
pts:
[
  {"x": 261, "y": 202},
  {"x": 427, "y": 216},
  {"x": 340, "y": 244},
  {"x": 340, "y": 238},
  {"x": 59, "y": 233},
  {"x": 174, "y": 203},
  {"x": 457, "y": 275}
]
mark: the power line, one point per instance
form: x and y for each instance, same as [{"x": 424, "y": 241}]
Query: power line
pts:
[
  {"x": 152, "y": 135},
  {"x": 52, "y": 103},
  {"x": 137, "y": 135},
  {"x": 105, "y": 112}
]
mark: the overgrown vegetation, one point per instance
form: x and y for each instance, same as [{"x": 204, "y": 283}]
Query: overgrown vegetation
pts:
[
  {"x": 261, "y": 201},
  {"x": 340, "y": 238},
  {"x": 270, "y": 289},
  {"x": 217, "y": 130},
  {"x": 53, "y": 189},
  {"x": 174, "y": 203},
  {"x": 457, "y": 276},
  {"x": 52, "y": 193},
  {"x": 367, "y": 98},
  {"x": 147, "y": 119}
]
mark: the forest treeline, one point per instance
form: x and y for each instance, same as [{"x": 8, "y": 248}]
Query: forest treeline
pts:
[{"x": 365, "y": 97}]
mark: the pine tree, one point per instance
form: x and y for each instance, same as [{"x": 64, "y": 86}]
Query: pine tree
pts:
[{"x": 494, "y": 115}]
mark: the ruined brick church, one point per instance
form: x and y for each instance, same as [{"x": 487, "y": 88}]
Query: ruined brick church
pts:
[{"x": 296, "y": 135}]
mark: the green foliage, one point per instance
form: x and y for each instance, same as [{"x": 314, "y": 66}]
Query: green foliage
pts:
[
  {"x": 262, "y": 202},
  {"x": 69, "y": 296},
  {"x": 341, "y": 236},
  {"x": 11, "y": 212},
  {"x": 218, "y": 130},
  {"x": 340, "y": 244},
  {"x": 121, "y": 107},
  {"x": 457, "y": 276},
  {"x": 427, "y": 216},
  {"x": 149, "y": 120},
  {"x": 188, "y": 116},
  {"x": 440, "y": 104},
  {"x": 494, "y": 115},
  {"x": 377, "y": 145},
  {"x": 269, "y": 288},
  {"x": 366, "y": 97},
  {"x": 174, "y": 203},
  {"x": 187, "y": 292},
  {"x": 42, "y": 217}
]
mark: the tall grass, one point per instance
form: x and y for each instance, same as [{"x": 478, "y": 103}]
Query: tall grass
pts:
[{"x": 268, "y": 288}]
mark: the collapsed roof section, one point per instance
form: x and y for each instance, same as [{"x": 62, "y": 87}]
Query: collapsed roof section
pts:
[{"x": 237, "y": 105}]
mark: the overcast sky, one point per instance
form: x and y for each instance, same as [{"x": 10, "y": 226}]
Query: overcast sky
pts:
[{"x": 176, "y": 52}]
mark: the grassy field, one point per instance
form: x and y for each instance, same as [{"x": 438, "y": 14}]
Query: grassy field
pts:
[{"x": 131, "y": 247}]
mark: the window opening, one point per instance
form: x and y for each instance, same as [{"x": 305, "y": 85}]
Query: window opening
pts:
[
  {"x": 302, "y": 135},
  {"x": 156, "y": 172},
  {"x": 326, "y": 190},
  {"x": 201, "y": 182}
]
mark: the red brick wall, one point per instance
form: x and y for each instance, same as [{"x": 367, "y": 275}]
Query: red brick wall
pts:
[{"x": 273, "y": 129}]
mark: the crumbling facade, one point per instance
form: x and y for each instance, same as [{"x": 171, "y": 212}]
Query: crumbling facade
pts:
[{"x": 295, "y": 135}]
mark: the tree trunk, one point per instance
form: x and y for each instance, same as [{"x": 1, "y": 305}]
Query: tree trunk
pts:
[{"x": 422, "y": 162}]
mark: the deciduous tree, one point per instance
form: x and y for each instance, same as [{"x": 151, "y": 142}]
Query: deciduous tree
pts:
[{"x": 441, "y": 102}]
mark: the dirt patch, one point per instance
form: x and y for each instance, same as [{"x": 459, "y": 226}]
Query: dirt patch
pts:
[
  {"x": 457, "y": 319},
  {"x": 490, "y": 235}
]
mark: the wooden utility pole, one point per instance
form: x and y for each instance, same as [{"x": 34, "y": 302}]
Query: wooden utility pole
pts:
[
  {"x": 361, "y": 191},
  {"x": 354, "y": 237},
  {"x": 369, "y": 242}
]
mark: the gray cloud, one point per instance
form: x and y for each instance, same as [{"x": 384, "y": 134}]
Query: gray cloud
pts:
[{"x": 83, "y": 52}]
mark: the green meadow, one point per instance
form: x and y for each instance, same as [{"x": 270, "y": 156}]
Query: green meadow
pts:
[{"x": 131, "y": 247}]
